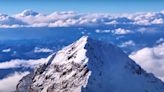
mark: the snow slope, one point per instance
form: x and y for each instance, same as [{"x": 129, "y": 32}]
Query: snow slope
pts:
[{"x": 88, "y": 65}]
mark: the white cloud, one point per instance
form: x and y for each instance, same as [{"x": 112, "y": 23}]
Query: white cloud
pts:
[
  {"x": 111, "y": 22},
  {"x": 121, "y": 31},
  {"x": 10, "y": 22},
  {"x": 102, "y": 31},
  {"x": 9, "y": 83},
  {"x": 158, "y": 21},
  {"x": 127, "y": 43},
  {"x": 11, "y": 26},
  {"x": 29, "y": 18},
  {"x": 151, "y": 59},
  {"x": 118, "y": 31},
  {"x": 160, "y": 40},
  {"x": 22, "y": 63},
  {"x": 147, "y": 18},
  {"x": 6, "y": 50},
  {"x": 42, "y": 50}
]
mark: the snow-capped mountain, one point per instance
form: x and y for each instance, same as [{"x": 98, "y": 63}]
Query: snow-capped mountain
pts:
[
  {"x": 7, "y": 20},
  {"x": 89, "y": 65},
  {"x": 28, "y": 13}
]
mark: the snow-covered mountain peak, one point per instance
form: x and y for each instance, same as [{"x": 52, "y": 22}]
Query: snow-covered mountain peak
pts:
[
  {"x": 89, "y": 65},
  {"x": 3, "y": 17},
  {"x": 28, "y": 12},
  {"x": 76, "y": 48}
]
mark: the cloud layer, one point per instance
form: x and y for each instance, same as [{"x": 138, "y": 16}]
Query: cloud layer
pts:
[
  {"x": 29, "y": 18},
  {"x": 118, "y": 31},
  {"x": 9, "y": 83},
  {"x": 42, "y": 50},
  {"x": 22, "y": 63},
  {"x": 151, "y": 59},
  {"x": 127, "y": 43}
]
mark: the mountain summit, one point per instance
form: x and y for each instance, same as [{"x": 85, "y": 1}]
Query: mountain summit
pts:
[
  {"x": 89, "y": 65},
  {"x": 27, "y": 12}
]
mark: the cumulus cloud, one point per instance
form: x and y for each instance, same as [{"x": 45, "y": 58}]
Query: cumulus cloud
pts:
[
  {"x": 127, "y": 43},
  {"x": 118, "y": 31},
  {"x": 151, "y": 59},
  {"x": 22, "y": 63},
  {"x": 158, "y": 21},
  {"x": 11, "y": 26},
  {"x": 121, "y": 31},
  {"x": 102, "y": 31},
  {"x": 147, "y": 18},
  {"x": 10, "y": 22},
  {"x": 42, "y": 50},
  {"x": 9, "y": 83},
  {"x": 29, "y": 18},
  {"x": 6, "y": 50},
  {"x": 161, "y": 40}
]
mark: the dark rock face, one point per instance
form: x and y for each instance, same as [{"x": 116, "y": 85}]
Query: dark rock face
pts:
[
  {"x": 24, "y": 83},
  {"x": 77, "y": 77}
]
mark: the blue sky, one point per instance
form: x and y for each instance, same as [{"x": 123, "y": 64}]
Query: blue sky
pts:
[{"x": 82, "y": 6}]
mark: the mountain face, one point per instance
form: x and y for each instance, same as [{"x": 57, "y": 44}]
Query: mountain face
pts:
[{"x": 88, "y": 65}]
